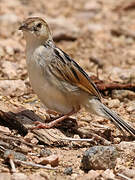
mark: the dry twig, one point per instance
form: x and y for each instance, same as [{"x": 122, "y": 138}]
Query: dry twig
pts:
[
  {"x": 13, "y": 169},
  {"x": 123, "y": 176},
  {"x": 33, "y": 164},
  {"x": 74, "y": 139},
  {"x": 102, "y": 86}
]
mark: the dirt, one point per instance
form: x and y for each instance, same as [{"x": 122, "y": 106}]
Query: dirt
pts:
[{"x": 100, "y": 36}]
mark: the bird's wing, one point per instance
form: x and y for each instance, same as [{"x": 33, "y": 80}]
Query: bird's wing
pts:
[{"x": 66, "y": 69}]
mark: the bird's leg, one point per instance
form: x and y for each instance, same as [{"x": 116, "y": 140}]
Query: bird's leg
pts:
[{"x": 53, "y": 123}]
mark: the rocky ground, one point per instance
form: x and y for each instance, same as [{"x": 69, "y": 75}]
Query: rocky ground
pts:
[{"x": 100, "y": 36}]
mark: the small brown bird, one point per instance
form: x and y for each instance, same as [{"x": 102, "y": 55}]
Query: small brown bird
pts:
[{"x": 60, "y": 83}]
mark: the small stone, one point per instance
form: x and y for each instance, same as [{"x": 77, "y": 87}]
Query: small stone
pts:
[
  {"x": 34, "y": 141},
  {"x": 114, "y": 103},
  {"x": 5, "y": 130},
  {"x": 4, "y": 170},
  {"x": 129, "y": 172},
  {"x": 9, "y": 50},
  {"x": 108, "y": 174},
  {"x": 122, "y": 75},
  {"x": 15, "y": 155},
  {"x": 76, "y": 136},
  {"x": 44, "y": 174},
  {"x": 127, "y": 147},
  {"x": 68, "y": 171},
  {"x": 116, "y": 140},
  {"x": 45, "y": 152},
  {"x": 131, "y": 108},
  {"x": 10, "y": 69},
  {"x": 29, "y": 137},
  {"x": 121, "y": 94},
  {"x": 99, "y": 158},
  {"x": 24, "y": 148},
  {"x": 74, "y": 176},
  {"x": 12, "y": 87},
  {"x": 53, "y": 160}
]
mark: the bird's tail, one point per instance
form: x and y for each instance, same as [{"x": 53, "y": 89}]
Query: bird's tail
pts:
[
  {"x": 100, "y": 109},
  {"x": 121, "y": 124}
]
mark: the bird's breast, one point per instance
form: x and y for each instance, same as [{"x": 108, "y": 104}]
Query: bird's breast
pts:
[{"x": 49, "y": 95}]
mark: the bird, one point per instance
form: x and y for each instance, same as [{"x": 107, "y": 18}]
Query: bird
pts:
[{"x": 58, "y": 80}]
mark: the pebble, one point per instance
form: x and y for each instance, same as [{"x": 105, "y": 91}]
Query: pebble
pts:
[
  {"x": 10, "y": 69},
  {"x": 108, "y": 174},
  {"x": 122, "y": 75},
  {"x": 16, "y": 155},
  {"x": 68, "y": 171},
  {"x": 24, "y": 148},
  {"x": 127, "y": 147},
  {"x": 99, "y": 158},
  {"x": 44, "y": 174},
  {"x": 114, "y": 103},
  {"x": 129, "y": 172},
  {"x": 9, "y": 50},
  {"x": 5, "y": 129},
  {"x": 131, "y": 108},
  {"x": 12, "y": 87},
  {"x": 45, "y": 152},
  {"x": 53, "y": 160},
  {"x": 74, "y": 176},
  {"x": 34, "y": 141},
  {"x": 29, "y": 137},
  {"x": 4, "y": 170},
  {"x": 121, "y": 94},
  {"x": 116, "y": 140}
]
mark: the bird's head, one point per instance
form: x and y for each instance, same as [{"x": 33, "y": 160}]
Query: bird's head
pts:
[{"x": 36, "y": 27}]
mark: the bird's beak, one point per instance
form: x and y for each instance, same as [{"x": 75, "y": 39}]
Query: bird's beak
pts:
[{"x": 23, "y": 27}]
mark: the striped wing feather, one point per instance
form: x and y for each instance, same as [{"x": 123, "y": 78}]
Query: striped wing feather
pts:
[{"x": 68, "y": 70}]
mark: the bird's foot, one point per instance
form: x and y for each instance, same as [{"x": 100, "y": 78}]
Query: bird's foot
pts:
[{"x": 49, "y": 125}]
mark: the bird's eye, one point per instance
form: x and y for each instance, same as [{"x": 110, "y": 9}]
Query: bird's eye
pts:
[{"x": 39, "y": 25}]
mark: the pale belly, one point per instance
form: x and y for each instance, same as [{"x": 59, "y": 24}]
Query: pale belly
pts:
[{"x": 50, "y": 96}]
